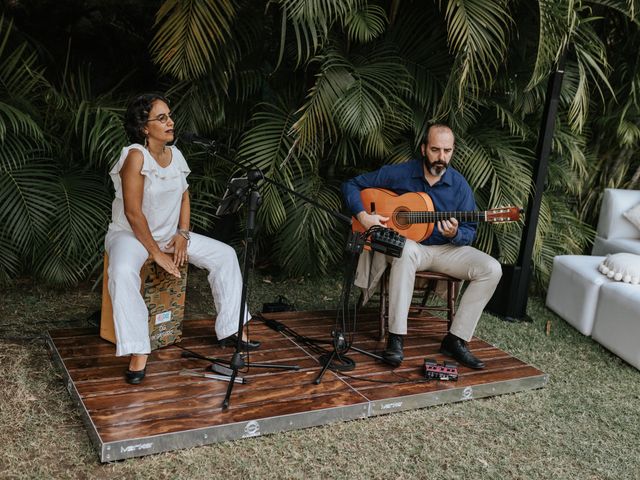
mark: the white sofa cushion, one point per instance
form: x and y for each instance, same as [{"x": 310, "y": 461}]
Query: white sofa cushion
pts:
[
  {"x": 633, "y": 215},
  {"x": 623, "y": 267},
  {"x": 611, "y": 223}
]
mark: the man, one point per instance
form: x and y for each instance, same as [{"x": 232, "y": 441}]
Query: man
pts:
[{"x": 447, "y": 250}]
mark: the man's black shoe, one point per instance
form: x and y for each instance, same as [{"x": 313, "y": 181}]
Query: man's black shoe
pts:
[
  {"x": 232, "y": 340},
  {"x": 455, "y": 347},
  {"x": 393, "y": 353}
]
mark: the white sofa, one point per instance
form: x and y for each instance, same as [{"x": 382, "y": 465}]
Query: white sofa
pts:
[
  {"x": 617, "y": 322},
  {"x": 593, "y": 303},
  {"x": 615, "y": 233}
]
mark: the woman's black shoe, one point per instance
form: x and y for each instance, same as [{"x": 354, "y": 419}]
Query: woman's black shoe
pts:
[
  {"x": 232, "y": 340},
  {"x": 135, "y": 376}
]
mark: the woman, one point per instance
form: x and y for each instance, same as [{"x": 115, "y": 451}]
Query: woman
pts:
[{"x": 150, "y": 217}]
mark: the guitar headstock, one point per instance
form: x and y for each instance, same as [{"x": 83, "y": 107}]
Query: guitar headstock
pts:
[{"x": 504, "y": 214}]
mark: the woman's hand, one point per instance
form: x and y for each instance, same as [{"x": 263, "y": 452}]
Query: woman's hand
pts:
[
  {"x": 179, "y": 245},
  {"x": 167, "y": 263}
]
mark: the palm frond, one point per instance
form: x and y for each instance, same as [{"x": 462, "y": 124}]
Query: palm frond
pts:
[
  {"x": 311, "y": 22},
  {"x": 359, "y": 97},
  {"x": 380, "y": 82},
  {"x": 76, "y": 229},
  {"x": 629, "y": 8},
  {"x": 477, "y": 34},
  {"x": 495, "y": 165},
  {"x": 317, "y": 117},
  {"x": 309, "y": 240},
  {"x": 20, "y": 82},
  {"x": 557, "y": 21},
  {"x": 270, "y": 146},
  {"x": 366, "y": 23},
  {"x": 101, "y": 132},
  {"x": 429, "y": 66},
  {"x": 198, "y": 104},
  {"x": 189, "y": 36},
  {"x": 592, "y": 65},
  {"x": 27, "y": 194}
]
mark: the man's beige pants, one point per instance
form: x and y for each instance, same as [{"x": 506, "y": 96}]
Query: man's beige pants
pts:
[{"x": 466, "y": 263}]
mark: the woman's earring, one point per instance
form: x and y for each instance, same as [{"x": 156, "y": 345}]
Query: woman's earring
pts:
[{"x": 145, "y": 141}]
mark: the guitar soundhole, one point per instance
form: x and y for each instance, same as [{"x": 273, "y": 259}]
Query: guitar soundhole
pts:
[{"x": 400, "y": 218}]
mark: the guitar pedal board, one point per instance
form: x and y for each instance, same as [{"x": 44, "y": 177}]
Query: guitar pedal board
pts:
[
  {"x": 387, "y": 241},
  {"x": 440, "y": 371}
]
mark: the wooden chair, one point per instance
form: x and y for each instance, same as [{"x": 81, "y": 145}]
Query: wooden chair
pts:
[{"x": 430, "y": 280}]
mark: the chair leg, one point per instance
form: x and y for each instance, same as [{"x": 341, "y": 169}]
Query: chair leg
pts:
[
  {"x": 383, "y": 306},
  {"x": 452, "y": 294},
  {"x": 430, "y": 288}
]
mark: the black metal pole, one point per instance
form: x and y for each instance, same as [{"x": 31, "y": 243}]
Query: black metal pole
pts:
[
  {"x": 510, "y": 299},
  {"x": 237, "y": 360}
]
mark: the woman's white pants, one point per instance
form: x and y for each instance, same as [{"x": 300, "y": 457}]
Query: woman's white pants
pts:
[{"x": 130, "y": 314}]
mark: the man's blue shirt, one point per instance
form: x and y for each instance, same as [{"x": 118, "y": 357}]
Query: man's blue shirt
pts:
[{"x": 451, "y": 193}]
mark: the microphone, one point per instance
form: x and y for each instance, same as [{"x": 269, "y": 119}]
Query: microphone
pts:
[{"x": 196, "y": 139}]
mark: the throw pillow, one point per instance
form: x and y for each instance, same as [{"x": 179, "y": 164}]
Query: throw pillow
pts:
[
  {"x": 633, "y": 215},
  {"x": 623, "y": 267}
]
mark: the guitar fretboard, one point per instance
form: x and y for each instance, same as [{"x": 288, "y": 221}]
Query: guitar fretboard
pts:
[{"x": 432, "y": 217}]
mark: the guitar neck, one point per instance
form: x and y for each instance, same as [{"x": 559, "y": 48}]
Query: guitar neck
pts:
[{"x": 433, "y": 217}]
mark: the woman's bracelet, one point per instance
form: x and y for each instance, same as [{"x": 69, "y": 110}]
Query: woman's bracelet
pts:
[{"x": 184, "y": 234}]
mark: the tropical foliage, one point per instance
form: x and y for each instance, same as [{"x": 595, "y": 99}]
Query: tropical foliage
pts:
[{"x": 314, "y": 92}]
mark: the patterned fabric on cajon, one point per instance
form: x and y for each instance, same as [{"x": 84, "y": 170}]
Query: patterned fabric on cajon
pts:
[{"x": 164, "y": 296}]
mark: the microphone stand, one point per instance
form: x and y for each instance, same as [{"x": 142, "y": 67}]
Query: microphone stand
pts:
[
  {"x": 240, "y": 191},
  {"x": 355, "y": 244},
  {"x": 336, "y": 359},
  {"x": 252, "y": 198}
]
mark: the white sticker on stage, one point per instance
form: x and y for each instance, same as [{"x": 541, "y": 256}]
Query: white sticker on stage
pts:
[
  {"x": 467, "y": 393},
  {"x": 251, "y": 429},
  {"x": 163, "y": 317}
]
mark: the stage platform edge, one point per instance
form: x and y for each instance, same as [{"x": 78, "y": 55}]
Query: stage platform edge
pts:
[{"x": 504, "y": 374}]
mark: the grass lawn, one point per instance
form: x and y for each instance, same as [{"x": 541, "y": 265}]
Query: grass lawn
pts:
[{"x": 585, "y": 424}]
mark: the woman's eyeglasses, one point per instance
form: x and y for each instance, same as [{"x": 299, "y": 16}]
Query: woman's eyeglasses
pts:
[{"x": 162, "y": 118}]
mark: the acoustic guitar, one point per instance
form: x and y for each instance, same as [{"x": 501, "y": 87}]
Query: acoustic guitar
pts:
[{"x": 413, "y": 216}]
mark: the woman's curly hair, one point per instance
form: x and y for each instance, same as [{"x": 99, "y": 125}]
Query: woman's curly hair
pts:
[{"x": 137, "y": 115}]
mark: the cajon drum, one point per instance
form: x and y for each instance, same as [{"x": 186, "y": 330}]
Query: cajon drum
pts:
[{"x": 164, "y": 296}]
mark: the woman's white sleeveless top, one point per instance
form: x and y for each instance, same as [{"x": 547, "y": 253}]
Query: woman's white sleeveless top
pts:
[{"x": 162, "y": 196}]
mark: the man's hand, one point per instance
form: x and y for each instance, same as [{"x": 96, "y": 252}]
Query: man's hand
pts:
[
  {"x": 448, "y": 228},
  {"x": 367, "y": 220},
  {"x": 179, "y": 245}
]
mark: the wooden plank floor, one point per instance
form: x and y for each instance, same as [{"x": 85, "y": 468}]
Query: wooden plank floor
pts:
[{"x": 170, "y": 410}]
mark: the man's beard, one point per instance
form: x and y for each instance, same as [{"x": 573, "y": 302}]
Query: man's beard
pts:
[{"x": 436, "y": 168}]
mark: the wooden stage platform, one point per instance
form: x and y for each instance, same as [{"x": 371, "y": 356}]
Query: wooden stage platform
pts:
[{"x": 170, "y": 410}]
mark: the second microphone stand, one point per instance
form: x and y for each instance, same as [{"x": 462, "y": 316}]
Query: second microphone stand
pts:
[{"x": 336, "y": 359}]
